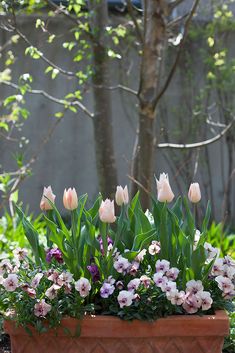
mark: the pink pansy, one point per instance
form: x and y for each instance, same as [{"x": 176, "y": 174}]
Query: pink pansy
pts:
[
  {"x": 119, "y": 285},
  {"x": 133, "y": 284},
  {"x": 141, "y": 255},
  {"x": 145, "y": 280},
  {"x": 194, "y": 287},
  {"x": 1, "y": 279},
  {"x": 191, "y": 303},
  {"x": 230, "y": 295},
  {"x": 51, "y": 292},
  {"x": 134, "y": 268},
  {"x": 228, "y": 271},
  {"x": 154, "y": 248},
  {"x": 54, "y": 276},
  {"x": 176, "y": 297},
  {"x": 110, "y": 280},
  {"x": 211, "y": 252},
  {"x": 106, "y": 211},
  {"x": 125, "y": 298},
  {"x": 5, "y": 266},
  {"x": 225, "y": 284},
  {"x": 229, "y": 261},
  {"x": 64, "y": 278},
  {"x": 41, "y": 308},
  {"x": 121, "y": 264},
  {"x": 20, "y": 253},
  {"x": 83, "y": 286},
  {"x": 168, "y": 287},
  {"x": 162, "y": 266},
  {"x": 30, "y": 291},
  {"x": 159, "y": 279},
  {"x": 206, "y": 300},
  {"x": 217, "y": 268},
  {"x": 172, "y": 273},
  {"x": 11, "y": 282},
  {"x": 106, "y": 290},
  {"x": 36, "y": 280}
]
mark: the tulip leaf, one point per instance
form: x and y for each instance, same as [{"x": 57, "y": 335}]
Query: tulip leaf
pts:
[
  {"x": 207, "y": 217},
  {"x": 32, "y": 236}
]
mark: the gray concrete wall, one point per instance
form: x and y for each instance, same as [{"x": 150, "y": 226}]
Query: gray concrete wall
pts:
[{"x": 69, "y": 157}]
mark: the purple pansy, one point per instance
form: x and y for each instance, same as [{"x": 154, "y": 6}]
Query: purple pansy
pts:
[{"x": 54, "y": 253}]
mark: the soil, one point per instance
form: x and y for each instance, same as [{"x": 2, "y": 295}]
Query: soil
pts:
[{"x": 5, "y": 346}]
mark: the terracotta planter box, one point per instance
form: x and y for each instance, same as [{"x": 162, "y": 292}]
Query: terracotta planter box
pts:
[{"x": 107, "y": 334}]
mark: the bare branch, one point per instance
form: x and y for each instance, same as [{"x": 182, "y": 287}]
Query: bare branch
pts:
[
  {"x": 121, "y": 87},
  {"x": 198, "y": 144},
  {"x": 53, "y": 99},
  {"x": 139, "y": 184},
  {"x": 173, "y": 69},
  {"x": 130, "y": 9}
]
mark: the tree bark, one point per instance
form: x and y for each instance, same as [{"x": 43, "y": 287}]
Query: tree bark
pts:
[
  {"x": 103, "y": 129},
  {"x": 154, "y": 38}
]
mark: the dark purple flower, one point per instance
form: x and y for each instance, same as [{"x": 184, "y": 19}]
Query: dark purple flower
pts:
[
  {"x": 56, "y": 254},
  {"x": 109, "y": 240},
  {"x": 94, "y": 271}
]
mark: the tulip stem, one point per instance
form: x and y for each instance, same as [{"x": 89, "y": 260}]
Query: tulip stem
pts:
[{"x": 103, "y": 230}]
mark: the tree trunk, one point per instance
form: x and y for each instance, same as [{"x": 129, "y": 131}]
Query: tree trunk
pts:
[
  {"x": 154, "y": 38},
  {"x": 103, "y": 130}
]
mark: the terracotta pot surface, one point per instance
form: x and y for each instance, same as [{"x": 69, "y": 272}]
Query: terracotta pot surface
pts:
[{"x": 107, "y": 334}]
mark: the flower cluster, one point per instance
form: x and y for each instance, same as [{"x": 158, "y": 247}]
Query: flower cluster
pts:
[{"x": 137, "y": 264}]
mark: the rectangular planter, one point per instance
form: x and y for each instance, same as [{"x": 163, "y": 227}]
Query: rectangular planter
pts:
[{"x": 107, "y": 334}]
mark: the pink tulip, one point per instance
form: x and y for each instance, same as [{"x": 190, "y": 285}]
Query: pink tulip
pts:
[
  {"x": 70, "y": 199},
  {"x": 106, "y": 211},
  {"x": 122, "y": 196},
  {"x": 164, "y": 191},
  {"x": 194, "y": 193},
  {"x": 47, "y": 195}
]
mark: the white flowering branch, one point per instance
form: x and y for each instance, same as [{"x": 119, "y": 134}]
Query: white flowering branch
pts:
[{"x": 53, "y": 99}]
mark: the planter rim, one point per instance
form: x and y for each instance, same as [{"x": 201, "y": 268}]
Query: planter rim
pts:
[{"x": 110, "y": 326}]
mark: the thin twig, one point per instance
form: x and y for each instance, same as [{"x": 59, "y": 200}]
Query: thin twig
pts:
[
  {"x": 121, "y": 87},
  {"x": 139, "y": 184},
  {"x": 173, "y": 69},
  {"x": 134, "y": 19},
  {"x": 198, "y": 144},
  {"x": 71, "y": 17}
]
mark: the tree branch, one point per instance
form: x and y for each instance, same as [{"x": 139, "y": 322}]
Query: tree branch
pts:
[
  {"x": 53, "y": 99},
  {"x": 198, "y": 144},
  {"x": 44, "y": 58},
  {"x": 130, "y": 9},
  {"x": 121, "y": 87},
  {"x": 71, "y": 17},
  {"x": 173, "y": 69}
]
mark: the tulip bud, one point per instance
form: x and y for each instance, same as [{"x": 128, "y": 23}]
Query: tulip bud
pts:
[
  {"x": 47, "y": 195},
  {"x": 194, "y": 193},
  {"x": 70, "y": 199},
  {"x": 164, "y": 191},
  {"x": 122, "y": 196},
  {"x": 106, "y": 211}
]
